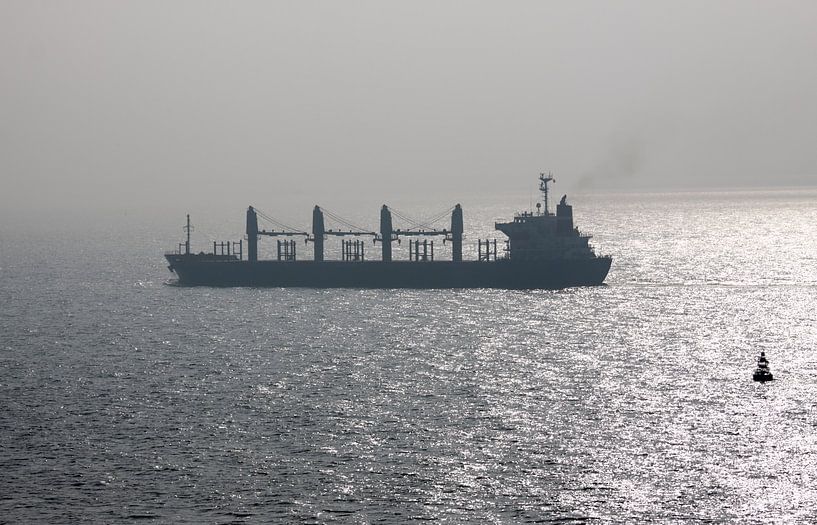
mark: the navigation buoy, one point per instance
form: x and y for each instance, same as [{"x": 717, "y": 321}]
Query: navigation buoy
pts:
[{"x": 762, "y": 372}]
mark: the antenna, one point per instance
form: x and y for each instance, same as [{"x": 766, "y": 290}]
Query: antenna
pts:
[
  {"x": 188, "y": 229},
  {"x": 543, "y": 187}
]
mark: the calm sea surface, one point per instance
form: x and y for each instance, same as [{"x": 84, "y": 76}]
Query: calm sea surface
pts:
[{"x": 125, "y": 398}]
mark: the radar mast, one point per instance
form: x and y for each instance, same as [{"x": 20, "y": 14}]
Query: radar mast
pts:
[{"x": 543, "y": 187}]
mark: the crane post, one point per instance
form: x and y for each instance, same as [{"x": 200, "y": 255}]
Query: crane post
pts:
[
  {"x": 318, "y": 232},
  {"x": 386, "y": 232},
  {"x": 252, "y": 235},
  {"x": 456, "y": 234}
]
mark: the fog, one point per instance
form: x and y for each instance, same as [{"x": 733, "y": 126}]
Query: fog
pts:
[{"x": 149, "y": 105}]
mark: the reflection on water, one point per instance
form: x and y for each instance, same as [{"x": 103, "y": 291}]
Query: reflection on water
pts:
[{"x": 127, "y": 399}]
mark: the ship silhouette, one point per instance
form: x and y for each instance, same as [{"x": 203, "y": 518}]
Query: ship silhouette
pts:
[{"x": 543, "y": 250}]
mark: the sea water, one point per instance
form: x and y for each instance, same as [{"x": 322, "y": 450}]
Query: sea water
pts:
[{"x": 127, "y": 398}]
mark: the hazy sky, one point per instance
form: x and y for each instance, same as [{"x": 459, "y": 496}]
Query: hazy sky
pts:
[{"x": 158, "y": 101}]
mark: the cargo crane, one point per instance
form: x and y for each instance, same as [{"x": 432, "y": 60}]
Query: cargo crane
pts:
[
  {"x": 422, "y": 229},
  {"x": 286, "y": 248},
  {"x": 351, "y": 250}
]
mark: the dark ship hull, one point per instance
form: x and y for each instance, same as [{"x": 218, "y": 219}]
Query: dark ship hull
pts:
[{"x": 196, "y": 270}]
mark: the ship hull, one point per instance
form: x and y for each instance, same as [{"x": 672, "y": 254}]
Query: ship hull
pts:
[{"x": 544, "y": 274}]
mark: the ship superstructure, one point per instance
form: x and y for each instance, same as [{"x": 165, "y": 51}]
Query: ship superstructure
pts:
[
  {"x": 542, "y": 235},
  {"x": 543, "y": 250}
]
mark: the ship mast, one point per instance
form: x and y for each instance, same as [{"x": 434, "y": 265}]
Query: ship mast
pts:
[
  {"x": 543, "y": 187},
  {"x": 187, "y": 228}
]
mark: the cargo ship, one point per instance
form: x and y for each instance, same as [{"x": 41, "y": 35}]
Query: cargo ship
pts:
[{"x": 543, "y": 250}]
